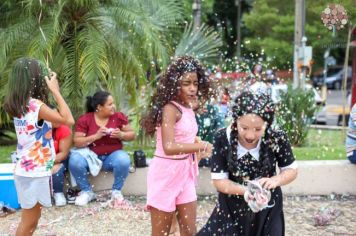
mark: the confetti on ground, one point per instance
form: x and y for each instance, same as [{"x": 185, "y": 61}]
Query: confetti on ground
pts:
[{"x": 95, "y": 219}]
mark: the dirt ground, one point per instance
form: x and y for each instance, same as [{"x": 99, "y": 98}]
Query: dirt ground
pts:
[{"x": 96, "y": 219}]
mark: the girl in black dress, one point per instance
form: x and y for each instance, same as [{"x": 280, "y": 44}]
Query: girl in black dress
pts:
[{"x": 249, "y": 149}]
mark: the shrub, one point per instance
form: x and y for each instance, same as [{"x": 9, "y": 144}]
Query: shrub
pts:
[{"x": 295, "y": 112}]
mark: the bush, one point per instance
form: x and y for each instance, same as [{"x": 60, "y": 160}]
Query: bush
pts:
[{"x": 295, "y": 113}]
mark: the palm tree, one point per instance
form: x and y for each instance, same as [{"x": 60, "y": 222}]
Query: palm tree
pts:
[
  {"x": 110, "y": 44},
  {"x": 91, "y": 43}
]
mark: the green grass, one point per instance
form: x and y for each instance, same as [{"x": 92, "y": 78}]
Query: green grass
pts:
[
  {"x": 322, "y": 145},
  {"x": 319, "y": 145},
  {"x": 5, "y": 152}
]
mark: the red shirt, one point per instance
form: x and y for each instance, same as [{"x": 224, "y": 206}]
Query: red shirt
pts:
[
  {"x": 59, "y": 133},
  {"x": 106, "y": 145}
]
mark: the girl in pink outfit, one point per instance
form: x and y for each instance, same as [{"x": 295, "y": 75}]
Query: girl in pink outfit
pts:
[{"x": 172, "y": 174}]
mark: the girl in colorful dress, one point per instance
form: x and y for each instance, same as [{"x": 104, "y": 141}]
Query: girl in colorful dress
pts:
[
  {"x": 172, "y": 173},
  {"x": 249, "y": 150},
  {"x": 26, "y": 101}
]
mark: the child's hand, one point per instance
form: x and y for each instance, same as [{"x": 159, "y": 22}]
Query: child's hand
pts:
[
  {"x": 52, "y": 81},
  {"x": 198, "y": 156},
  {"x": 208, "y": 151},
  {"x": 208, "y": 148},
  {"x": 268, "y": 183}
]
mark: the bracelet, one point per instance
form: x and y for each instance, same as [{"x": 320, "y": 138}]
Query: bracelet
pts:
[{"x": 205, "y": 146}]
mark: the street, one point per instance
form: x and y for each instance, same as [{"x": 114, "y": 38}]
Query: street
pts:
[{"x": 331, "y": 114}]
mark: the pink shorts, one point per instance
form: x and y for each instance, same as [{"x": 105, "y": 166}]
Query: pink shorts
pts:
[{"x": 170, "y": 183}]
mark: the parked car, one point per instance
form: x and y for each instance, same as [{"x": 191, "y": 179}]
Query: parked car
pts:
[
  {"x": 318, "y": 79},
  {"x": 332, "y": 115},
  {"x": 334, "y": 78}
]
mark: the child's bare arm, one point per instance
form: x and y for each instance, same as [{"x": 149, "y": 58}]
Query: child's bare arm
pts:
[
  {"x": 283, "y": 178},
  {"x": 64, "y": 116},
  {"x": 169, "y": 118},
  {"x": 63, "y": 146},
  {"x": 229, "y": 187}
]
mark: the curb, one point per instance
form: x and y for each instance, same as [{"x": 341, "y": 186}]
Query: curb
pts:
[
  {"x": 314, "y": 178},
  {"x": 328, "y": 127}
]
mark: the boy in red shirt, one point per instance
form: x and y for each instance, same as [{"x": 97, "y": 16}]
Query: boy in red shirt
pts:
[{"x": 62, "y": 140}]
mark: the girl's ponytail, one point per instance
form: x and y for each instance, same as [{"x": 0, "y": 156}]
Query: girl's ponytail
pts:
[
  {"x": 89, "y": 104},
  {"x": 99, "y": 98}
]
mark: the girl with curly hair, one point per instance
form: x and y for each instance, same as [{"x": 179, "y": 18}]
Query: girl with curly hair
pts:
[
  {"x": 26, "y": 101},
  {"x": 247, "y": 152},
  {"x": 172, "y": 173}
]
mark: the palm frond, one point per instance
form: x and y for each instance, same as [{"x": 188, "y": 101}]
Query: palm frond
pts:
[
  {"x": 93, "y": 61},
  {"x": 202, "y": 43},
  {"x": 72, "y": 85},
  {"x": 12, "y": 36}
]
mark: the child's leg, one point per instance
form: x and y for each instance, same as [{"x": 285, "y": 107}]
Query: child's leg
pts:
[
  {"x": 174, "y": 225},
  {"x": 29, "y": 220},
  {"x": 352, "y": 158},
  {"x": 160, "y": 222},
  {"x": 58, "y": 178},
  {"x": 187, "y": 215}
]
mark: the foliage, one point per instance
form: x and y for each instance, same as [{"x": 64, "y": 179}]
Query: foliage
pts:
[
  {"x": 295, "y": 112},
  {"x": 90, "y": 43},
  {"x": 202, "y": 43},
  {"x": 117, "y": 45},
  {"x": 272, "y": 27},
  {"x": 224, "y": 18}
]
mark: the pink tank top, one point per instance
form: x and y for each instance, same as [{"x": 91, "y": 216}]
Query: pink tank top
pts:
[{"x": 185, "y": 131}]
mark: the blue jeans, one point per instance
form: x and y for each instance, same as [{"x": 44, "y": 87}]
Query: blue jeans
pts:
[
  {"x": 58, "y": 178},
  {"x": 352, "y": 158},
  {"x": 117, "y": 162}
]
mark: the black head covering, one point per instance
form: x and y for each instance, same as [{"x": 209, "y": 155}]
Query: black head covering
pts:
[
  {"x": 248, "y": 102},
  {"x": 257, "y": 103}
]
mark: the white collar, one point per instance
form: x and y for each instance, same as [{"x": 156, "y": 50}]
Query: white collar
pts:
[{"x": 255, "y": 152}]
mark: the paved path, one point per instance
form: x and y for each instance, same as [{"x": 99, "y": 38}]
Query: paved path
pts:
[{"x": 96, "y": 220}]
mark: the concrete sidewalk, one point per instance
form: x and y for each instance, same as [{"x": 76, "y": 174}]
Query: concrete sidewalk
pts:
[{"x": 314, "y": 178}]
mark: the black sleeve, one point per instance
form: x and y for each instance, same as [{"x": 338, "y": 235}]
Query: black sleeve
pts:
[
  {"x": 219, "y": 157},
  {"x": 283, "y": 149}
]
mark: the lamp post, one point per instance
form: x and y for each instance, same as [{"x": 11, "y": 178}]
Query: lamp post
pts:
[
  {"x": 303, "y": 67},
  {"x": 197, "y": 13},
  {"x": 353, "y": 46},
  {"x": 323, "y": 88},
  {"x": 346, "y": 61},
  {"x": 304, "y": 59},
  {"x": 238, "y": 28},
  {"x": 298, "y": 34}
]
